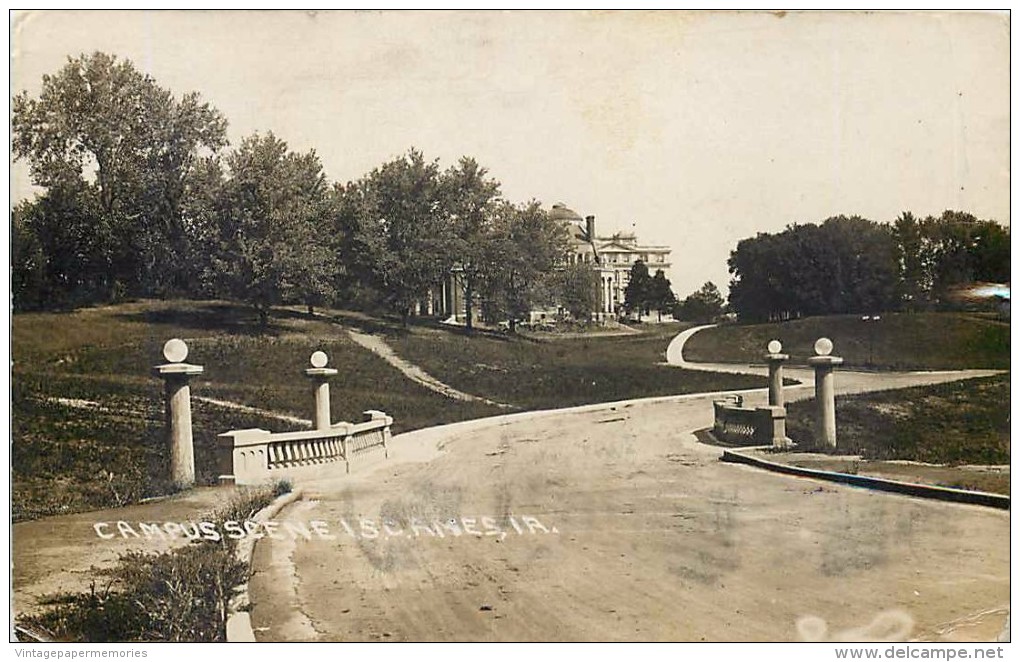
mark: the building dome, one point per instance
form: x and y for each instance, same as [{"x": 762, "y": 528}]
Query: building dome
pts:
[{"x": 561, "y": 212}]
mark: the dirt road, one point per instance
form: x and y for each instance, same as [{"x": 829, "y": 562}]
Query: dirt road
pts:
[{"x": 616, "y": 524}]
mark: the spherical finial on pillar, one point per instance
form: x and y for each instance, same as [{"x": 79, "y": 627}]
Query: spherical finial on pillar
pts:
[
  {"x": 320, "y": 376},
  {"x": 175, "y": 375},
  {"x": 175, "y": 350},
  {"x": 825, "y": 393},
  {"x": 775, "y": 361}
]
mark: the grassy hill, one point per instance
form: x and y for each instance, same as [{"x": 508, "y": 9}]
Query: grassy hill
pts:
[
  {"x": 560, "y": 372},
  {"x": 88, "y": 418},
  {"x": 900, "y": 341}
]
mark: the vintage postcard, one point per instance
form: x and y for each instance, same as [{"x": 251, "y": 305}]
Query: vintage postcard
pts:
[{"x": 511, "y": 326}]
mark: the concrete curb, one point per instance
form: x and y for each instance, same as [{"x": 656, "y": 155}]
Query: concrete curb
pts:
[
  {"x": 239, "y": 628},
  {"x": 873, "y": 483}
]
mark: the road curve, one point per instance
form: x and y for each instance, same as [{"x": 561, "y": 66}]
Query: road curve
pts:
[{"x": 612, "y": 522}]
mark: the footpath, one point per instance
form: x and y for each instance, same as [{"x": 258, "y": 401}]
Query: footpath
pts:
[{"x": 60, "y": 553}]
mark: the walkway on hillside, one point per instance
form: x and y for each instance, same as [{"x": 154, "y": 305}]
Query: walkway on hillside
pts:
[
  {"x": 378, "y": 345},
  {"x": 638, "y": 533},
  {"x": 847, "y": 381}
]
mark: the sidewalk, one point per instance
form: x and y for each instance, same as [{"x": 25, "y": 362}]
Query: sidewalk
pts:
[{"x": 57, "y": 554}]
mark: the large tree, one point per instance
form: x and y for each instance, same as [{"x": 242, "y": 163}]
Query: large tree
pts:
[
  {"x": 402, "y": 230},
  {"x": 660, "y": 294},
  {"x": 470, "y": 198},
  {"x": 637, "y": 294},
  {"x": 521, "y": 255},
  {"x": 936, "y": 254},
  {"x": 125, "y": 147},
  {"x": 844, "y": 265},
  {"x": 274, "y": 243},
  {"x": 579, "y": 290}
]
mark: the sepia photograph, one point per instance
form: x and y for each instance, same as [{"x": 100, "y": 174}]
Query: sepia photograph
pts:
[{"x": 511, "y": 326}]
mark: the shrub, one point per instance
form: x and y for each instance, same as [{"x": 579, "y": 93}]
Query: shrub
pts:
[{"x": 178, "y": 595}]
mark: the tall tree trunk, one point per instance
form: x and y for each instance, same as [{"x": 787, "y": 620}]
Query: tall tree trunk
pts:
[{"x": 468, "y": 304}]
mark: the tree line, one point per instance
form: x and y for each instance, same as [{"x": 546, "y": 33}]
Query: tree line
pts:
[
  {"x": 144, "y": 197},
  {"x": 855, "y": 265}
]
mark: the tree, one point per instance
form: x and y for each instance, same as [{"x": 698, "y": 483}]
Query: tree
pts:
[
  {"x": 272, "y": 243},
  {"x": 844, "y": 265},
  {"x": 636, "y": 295},
  {"x": 705, "y": 305},
  {"x": 403, "y": 234},
  {"x": 64, "y": 248},
  {"x": 125, "y": 147},
  {"x": 470, "y": 198},
  {"x": 660, "y": 293},
  {"x": 521, "y": 254},
  {"x": 28, "y": 263},
  {"x": 937, "y": 254},
  {"x": 914, "y": 274},
  {"x": 579, "y": 290}
]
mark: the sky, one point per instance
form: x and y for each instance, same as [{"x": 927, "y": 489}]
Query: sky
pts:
[{"x": 692, "y": 129}]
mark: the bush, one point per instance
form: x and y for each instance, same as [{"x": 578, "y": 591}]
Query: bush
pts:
[{"x": 179, "y": 595}]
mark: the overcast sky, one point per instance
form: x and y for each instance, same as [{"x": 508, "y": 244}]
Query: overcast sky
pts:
[{"x": 693, "y": 129}]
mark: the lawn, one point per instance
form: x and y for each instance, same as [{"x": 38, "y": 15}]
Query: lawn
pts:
[
  {"x": 898, "y": 341},
  {"x": 87, "y": 413},
  {"x": 559, "y": 373},
  {"x": 956, "y": 423}
]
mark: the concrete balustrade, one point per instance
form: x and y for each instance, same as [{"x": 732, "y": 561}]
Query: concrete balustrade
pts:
[
  {"x": 253, "y": 455},
  {"x": 746, "y": 426}
]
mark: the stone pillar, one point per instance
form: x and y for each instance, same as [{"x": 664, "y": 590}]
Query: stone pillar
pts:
[
  {"x": 320, "y": 376},
  {"x": 776, "y": 360},
  {"x": 825, "y": 390},
  {"x": 770, "y": 428},
  {"x": 376, "y": 415},
  {"x": 175, "y": 375}
]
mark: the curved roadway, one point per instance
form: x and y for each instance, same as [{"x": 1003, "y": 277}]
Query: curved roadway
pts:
[{"x": 612, "y": 522}]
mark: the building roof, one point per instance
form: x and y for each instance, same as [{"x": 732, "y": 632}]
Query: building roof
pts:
[{"x": 561, "y": 212}]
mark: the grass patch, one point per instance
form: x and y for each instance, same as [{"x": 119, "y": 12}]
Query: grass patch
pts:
[
  {"x": 562, "y": 372},
  {"x": 964, "y": 422},
  {"x": 178, "y": 595},
  {"x": 899, "y": 341}
]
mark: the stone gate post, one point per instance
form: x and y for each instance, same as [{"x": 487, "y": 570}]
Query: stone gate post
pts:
[
  {"x": 320, "y": 376},
  {"x": 825, "y": 391},
  {"x": 176, "y": 375},
  {"x": 775, "y": 361}
]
